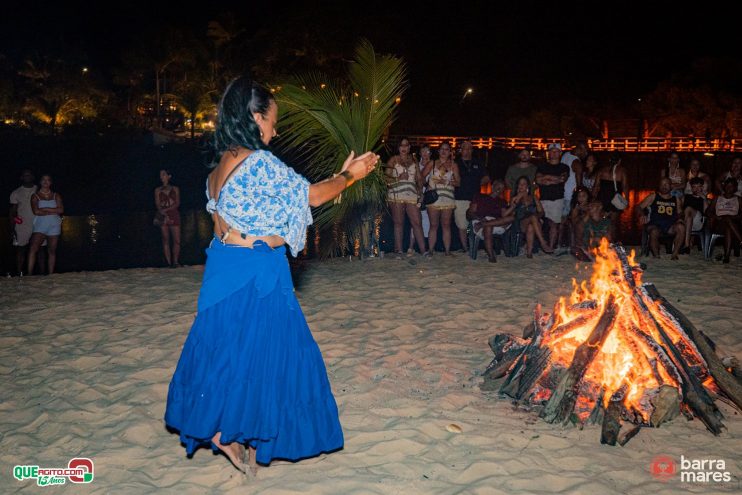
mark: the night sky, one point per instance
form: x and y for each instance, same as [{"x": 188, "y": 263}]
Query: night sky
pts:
[{"x": 517, "y": 58}]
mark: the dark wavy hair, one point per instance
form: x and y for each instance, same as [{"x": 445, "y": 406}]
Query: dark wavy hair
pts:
[
  {"x": 169, "y": 172},
  {"x": 235, "y": 123},
  {"x": 578, "y": 190},
  {"x": 528, "y": 181}
]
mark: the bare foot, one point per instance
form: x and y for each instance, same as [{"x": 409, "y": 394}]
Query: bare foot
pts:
[
  {"x": 234, "y": 451},
  {"x": 252, "y": 462},
  {"x": 674, "y": 257}
]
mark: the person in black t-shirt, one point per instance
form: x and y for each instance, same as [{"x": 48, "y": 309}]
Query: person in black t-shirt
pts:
[
  {"x": 473, "y": 175},
  {"x": 550, "y": 178}
]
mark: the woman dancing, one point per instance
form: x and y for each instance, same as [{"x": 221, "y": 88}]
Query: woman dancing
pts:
[{"x": 250, "y": 373}]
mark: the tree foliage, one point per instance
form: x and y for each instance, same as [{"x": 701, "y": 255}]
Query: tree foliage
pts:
[{"x": 323, "y": 120}]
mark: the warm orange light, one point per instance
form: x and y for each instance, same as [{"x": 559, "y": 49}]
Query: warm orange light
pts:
[{"x": 626, "y": 357}]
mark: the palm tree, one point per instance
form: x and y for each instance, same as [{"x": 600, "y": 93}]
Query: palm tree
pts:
[
  {"x": 60, "y": 92},
  {"x": 326, "y": 120},
  {"x": 194, "y": 97}
]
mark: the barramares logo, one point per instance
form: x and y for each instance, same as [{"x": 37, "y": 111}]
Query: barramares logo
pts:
[
  {"x": 78, "y": 470},
  {"x": 664, "y": 468}
]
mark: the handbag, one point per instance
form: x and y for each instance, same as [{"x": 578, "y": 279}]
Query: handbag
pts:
[
  {"x": 430, "y": 196},
  {"x": 618, "y": 201}
]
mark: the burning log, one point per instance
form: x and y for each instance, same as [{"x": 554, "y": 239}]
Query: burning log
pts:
[
  {"x": 612, "y": 420},
  {"x": 694, "y": 392},
  {"x": 563, "y": 400},
  {"x": 530, "y": 365},
  {"x": 507, "y": 349},
  {"x": 623, "y": 438},
  {"x": 638, "y": 361},
  {"x": 727, "y": 382}
]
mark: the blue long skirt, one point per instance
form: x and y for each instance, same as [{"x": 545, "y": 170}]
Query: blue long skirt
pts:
[{"x": 250, "y": 367}]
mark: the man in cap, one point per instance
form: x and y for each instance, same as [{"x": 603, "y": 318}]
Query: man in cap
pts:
[{"x": 550, "y": 178}]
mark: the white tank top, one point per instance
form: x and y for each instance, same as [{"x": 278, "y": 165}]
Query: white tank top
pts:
[
  {"x": 571, "y": 184},
  {"x": 727, "y": 206}
]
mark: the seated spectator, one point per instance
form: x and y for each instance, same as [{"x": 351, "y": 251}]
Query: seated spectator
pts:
[
  {"x": 528, "y": 212},
  {"x": 694, "y": 204},
  {"x": 486, "y": 213},
  {"x": 735, "y": 172},
  {"x": 663, "y": 218},
  {"x": 724, "y": 213},
  {"x": 611, "y": 179},
  {"x": 597, "y": 226},
  {"x": 578, "y": 215},
  {"x": 694, "y": 171}
]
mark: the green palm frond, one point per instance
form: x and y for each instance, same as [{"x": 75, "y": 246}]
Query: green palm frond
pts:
[{"x": 323, "y": 120}]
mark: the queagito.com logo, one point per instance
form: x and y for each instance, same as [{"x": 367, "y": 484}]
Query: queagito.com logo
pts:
[
  {"x": 688, "y": 470},
  {"x": 78, "y": 470}
]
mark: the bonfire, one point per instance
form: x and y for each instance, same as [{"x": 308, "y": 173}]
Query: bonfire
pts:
[{"x": 614, "y": 352}]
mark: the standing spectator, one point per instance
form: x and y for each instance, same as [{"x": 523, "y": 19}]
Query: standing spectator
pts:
[
  {"x": 589, "y": 172},
  {"x": 405, "y": 184},
  {"x": 524, "y": 167},
  {"x": 48, "y": 208},
  {"x": 676, "y": 174},
  {"x": 735, "y": 172},
  {"x": 473, "y": 175},
  {"x": 550, "y": 178},
  {"x": 486, "y": 213},
  {"x": 575, "y": 160},
  {"x": 444, "y": 177},
  {"x": 167, "y": 201},
  {"x": 21, "y": 218},
  {"x": 610, "y": 180},
  {"x": 663, "y": 218},
  {"x": 424, "y": 160},
  {"x": 725, "y": 212},
  {"x": 694, "y": 205},
  {"x": 694, "y": 170}
]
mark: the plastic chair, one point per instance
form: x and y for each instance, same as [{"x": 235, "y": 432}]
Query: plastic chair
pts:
[
  {"x": 666, "y": 239},
  {"x": 710, "y": 241},
  {"x": 498, "y": 240}
]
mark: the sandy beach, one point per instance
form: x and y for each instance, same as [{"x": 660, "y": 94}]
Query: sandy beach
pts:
[{"x": 86, "y": 359}]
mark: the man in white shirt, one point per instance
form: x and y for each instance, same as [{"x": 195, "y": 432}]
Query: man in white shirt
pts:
[{"x": 21, "y": 218}]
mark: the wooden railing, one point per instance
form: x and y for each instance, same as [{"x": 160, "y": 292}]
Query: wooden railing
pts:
[{"x": 652, "y": 144}]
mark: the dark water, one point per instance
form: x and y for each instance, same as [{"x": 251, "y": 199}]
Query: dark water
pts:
[
  {"x": 129, "y": 240},
  {"x": 107, "y": 182},
  {"x": 111, "y": 241}
]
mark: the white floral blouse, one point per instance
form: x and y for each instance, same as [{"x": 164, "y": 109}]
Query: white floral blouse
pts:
[{"x": 265, "y": 197}]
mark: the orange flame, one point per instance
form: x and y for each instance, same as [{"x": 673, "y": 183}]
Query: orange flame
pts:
[{"x": 632, "y": 354}]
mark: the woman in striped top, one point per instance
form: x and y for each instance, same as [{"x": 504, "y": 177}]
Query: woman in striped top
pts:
[{"x": 405, "y": 183}]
